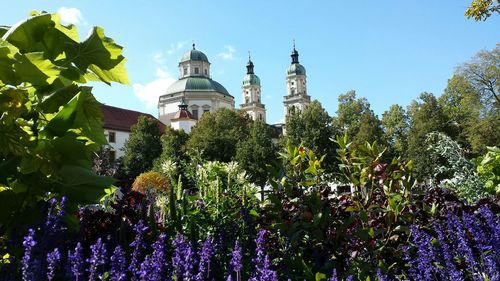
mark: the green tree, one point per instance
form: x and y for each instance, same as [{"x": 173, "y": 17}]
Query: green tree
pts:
[
  {"x": 51, "y": 125},
  {"x": 357, "y": 120},
  {"x": 313, "y": 129},
  {"x": 426, "y": 116},
  {"x": 142, "y": 147},
  {"x": 482, "y": 9},
  {"x": 217, "y": 134},
  {"x": 254, "y": 153},
  {"x": 396, "y": 124},
  {"x": 173, "y": 142},
  {"x": 483, "y": 74}
]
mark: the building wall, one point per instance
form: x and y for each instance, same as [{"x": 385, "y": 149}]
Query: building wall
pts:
[
  {"x": 196, "y": 101},
  {"x": 185, "y": 125},
  {"x": 119, "y": 144}
]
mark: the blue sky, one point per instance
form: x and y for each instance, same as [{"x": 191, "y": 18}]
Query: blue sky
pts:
[{"x": 388, "y": 51}]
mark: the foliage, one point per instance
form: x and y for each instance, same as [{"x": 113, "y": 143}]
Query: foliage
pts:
[
  {"x": 172, "y": 143},
  {"x": 253, "y": 153},
  {"x": 395, "y": 124},
  {"x": 312, "y": 128},
  {"x": 50, "y": 125},
  {"x": 426, "y": 116},
  {"x": 102, "y": 164},
  {"x": 357, "y": 120},
  {"x": 483, "y": 73},
  {"x": 217, "y": 134},
  {"x": 488, "y": 169},
  {"x": 142, "y": 147},
  {"x": 454, "y": 171},
  {"x": 480, "y": 10}
]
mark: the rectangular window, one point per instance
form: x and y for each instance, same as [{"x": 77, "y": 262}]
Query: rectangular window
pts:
[
  {"x": 195, "y": 114},
  {"x": 206, "y": 72},
  {"x": 196, "y": 70},
  {"x": 185, "y": 71},
  {"x": 206, "y": 110},
  {"x": 111, "y": 137}
]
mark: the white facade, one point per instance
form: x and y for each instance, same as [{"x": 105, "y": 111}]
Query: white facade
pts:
[
  {"x": 251, "y": 91},
  {"x": 195, "y": 87},
  {"x": 296, "y": 84},
  {"x": 119, "y": 142},
  {"x": 183, "y": 124}
]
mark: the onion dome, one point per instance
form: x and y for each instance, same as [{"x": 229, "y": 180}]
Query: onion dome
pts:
[
  {"x": 250, "y": 78},
  {"x": 196, "y": 84},
  {"x": 194, "y": 55},
  {"x": 295, "y": 68}
]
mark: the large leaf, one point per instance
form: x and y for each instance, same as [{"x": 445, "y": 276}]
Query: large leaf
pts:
[
  {"x": 102, "y": 56},
  {"x": 35, "y": 69},
  {"x": 83, "y": 113},
  {"x": 27, "y": 35},
  {"x": 83, "y": 185}
]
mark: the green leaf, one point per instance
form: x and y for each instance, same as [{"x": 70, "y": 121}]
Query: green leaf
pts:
[
  {"x": 35, "y": 69},
  {"x": 102, "y": 56},
  {"x": 83, "y": 185},
  {"x": 320, "y": 276}
]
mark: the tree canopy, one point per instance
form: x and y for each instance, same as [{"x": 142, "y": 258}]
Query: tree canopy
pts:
[
  {"x": 142, "y": 147},
  {"x": 312, "y": 128},
  {"x": 357, "y": 120},
  {"x": 217, "y": 134}
]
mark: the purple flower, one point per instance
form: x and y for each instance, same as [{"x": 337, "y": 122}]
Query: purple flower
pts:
[
  {"x": 207, "y": 252},
  {"x": 139, "y": 245},
  {"x": 118, "y": 265},
  {"x": 53, "y": 259},
  {"x": 421, "y": 268},
  {"x": 236, "y": 263},
  {"x": 97, "y": 260},
  {"x": 334, "y": 276},
  {"x": 155, "y": 266},
  {"x": 183, "y": 259},
  {"x": 262, "y": 262},
  {"x": 450, "y": 269},
  {"x": 482, "y": 244},
  {"x": 457, "y": 232},
  {"x": 349, "y": 278},
  {"x": 28, "y": 267},
  {"x": 493, "y": 223},
  {"x": 77, "y": 263},
  {"x": 380, "y": 275}
]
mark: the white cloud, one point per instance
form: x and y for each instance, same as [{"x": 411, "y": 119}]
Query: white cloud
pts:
[
  {"x": 150, "y": 92},
  {"x": 71, "y": 16},
  {"x": 159, "y": 58},
  {"x": 228, "y": 54},
  {"x": 175, "y": 47}
]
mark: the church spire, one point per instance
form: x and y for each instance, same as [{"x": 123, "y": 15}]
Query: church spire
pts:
[
  {"x": 249, "y": 64},
  {"x": 295, "y": 54}
]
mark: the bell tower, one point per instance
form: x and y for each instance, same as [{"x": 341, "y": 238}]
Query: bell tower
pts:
[{"x": 252, "y": 102}]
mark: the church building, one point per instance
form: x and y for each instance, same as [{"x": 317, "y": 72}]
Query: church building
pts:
[
  {"x": 200, "y": 93},
  {"x": 196, "y": 93}
]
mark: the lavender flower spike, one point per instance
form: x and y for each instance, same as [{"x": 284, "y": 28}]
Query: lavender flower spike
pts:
[
  {"x": 118, "y": 265},
  {"x": 236, "y": 260},
  {"x": 207, "y": 252},
  {"x": 27, "y": 263},
  {"x": 97, "y": 260},
  {"x": 77, "y": 263},
  {"x": 139, "y": 245},
  {"x": 53, "y": 259}
]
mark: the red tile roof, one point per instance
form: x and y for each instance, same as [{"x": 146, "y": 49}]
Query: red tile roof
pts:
[
  {"x": 182, "y": 114},
  {"x": 121, "y": 119}
]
